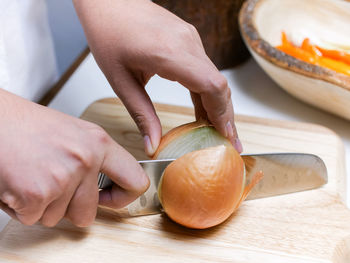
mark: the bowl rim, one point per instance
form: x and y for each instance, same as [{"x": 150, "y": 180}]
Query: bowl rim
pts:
[{"x": 254, "y": 41}]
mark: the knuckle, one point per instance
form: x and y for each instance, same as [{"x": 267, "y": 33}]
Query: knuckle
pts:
[
  {"x": 221, "y": 111},
  {"x": 145, "y": 121},
  {"x": 27, "y": 218},
  {"x": 187, "y": 30},
  {"x": 11, "y": 200},
  {"x": 85, "y": 150},
  {"x": 97, "y": 133},
  {"x": 101, "y": 135},
  {"x": 165, "y": 52},
  {"x": 192, "y": 29},
  {"x": 61, "y": 179},
  {"x": 85, "y": 160},
  {"x": 218, "y": 83},
  {"x": 182, "y": 33},
  {"x": 84, "y": 154},
  {"x": 34, "y": 195},
  {"x": 140, "y": 120}
]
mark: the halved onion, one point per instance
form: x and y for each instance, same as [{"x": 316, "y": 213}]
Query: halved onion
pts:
[{"x": 207, "y": 182}]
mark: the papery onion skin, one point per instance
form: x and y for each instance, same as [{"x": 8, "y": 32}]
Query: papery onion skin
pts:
[
  {"x": 187, "y": 138},
  {"x": 202, "y": 189},
  {"x": 176, "y": 132}
]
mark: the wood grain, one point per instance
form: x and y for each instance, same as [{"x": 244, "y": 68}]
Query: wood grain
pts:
[{"x": 311, "y": 226}]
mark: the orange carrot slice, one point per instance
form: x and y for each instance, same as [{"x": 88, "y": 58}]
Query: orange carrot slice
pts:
[
  {"x": 307, "y": 46},
  {"x": 332, "y": 59},
  {"x": 335, "y": 54}
]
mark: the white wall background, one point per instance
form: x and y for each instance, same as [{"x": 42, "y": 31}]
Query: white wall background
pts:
[{"x": 67, "y": 33}]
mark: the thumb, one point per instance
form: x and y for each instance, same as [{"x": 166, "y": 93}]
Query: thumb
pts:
[
  {"x": 140, "y": 107},
  {"x": 129, "y": 177}
]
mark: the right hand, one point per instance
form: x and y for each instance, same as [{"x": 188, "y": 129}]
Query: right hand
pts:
[{"x": 49, "y": 165}]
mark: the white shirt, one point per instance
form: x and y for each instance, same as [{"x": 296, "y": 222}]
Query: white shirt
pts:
[{"x": 27, "y": 59}]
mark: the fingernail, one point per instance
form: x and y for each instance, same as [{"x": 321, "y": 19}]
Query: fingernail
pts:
[
  {"x": 148, "y": 145},
  {"x": 238, "y": 145},
  {"x": 229, "y": 130}
]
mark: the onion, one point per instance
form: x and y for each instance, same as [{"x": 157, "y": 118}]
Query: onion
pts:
[{"x": 207, "y": 182}]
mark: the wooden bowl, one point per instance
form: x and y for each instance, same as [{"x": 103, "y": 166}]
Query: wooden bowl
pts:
[{"x": 323, "y": 21}]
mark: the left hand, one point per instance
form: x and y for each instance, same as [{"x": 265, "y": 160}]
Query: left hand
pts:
[{"x": 132, "y": 40}]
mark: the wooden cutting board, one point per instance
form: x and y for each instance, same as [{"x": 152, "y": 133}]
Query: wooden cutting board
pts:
[{"x": 311, "y": 226}]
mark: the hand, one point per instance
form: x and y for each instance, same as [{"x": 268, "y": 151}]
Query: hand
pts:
[
  {"x": 49, "y": 165},
  {"x": 132, "y": 40}
]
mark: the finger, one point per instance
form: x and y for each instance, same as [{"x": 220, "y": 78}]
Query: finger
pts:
[
  {"x": 82, "y": 208},
  {"x": 8, "y": 210},
  {"x": 199, "y": 110},
  {"x": 28, "y": 206},
  {"x": 141, "y": 109},
  {"x": 116, "y": 197},
  {"x": 211, "y": 102},
  {"x": 236, "y": 141},
  {"x": 130, "y": 179},
  {"x": 57, "y": 209},
  {"x": 201, "y": 113},
  {"x": 200, "y": 76}
]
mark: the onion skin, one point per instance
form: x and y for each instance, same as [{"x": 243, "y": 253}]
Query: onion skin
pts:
[
  {"x": 207, "y": 181},
  {"x": 177, "y": 132},
  {"x": 201, "y": 189}
]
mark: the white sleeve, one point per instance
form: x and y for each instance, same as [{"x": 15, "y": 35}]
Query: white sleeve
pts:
[{"x": 27, "y": 58}]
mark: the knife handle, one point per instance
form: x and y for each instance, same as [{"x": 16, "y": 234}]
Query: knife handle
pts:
[{"x": 103, "y": 181}]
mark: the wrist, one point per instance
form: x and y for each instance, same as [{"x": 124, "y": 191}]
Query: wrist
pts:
[{"x": 12, "y": 107}]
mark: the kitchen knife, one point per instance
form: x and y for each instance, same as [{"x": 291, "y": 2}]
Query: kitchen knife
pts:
[{"x": 283, "y": 173}]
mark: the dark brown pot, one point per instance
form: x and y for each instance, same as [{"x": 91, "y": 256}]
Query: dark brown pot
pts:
[{"x": 217, "y": 24}]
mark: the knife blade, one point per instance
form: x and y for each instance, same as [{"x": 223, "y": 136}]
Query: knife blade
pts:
[{"x": 283, "y": 173}]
